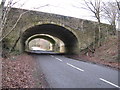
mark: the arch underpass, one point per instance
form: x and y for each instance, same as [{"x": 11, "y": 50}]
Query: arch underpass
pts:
[
  {"x": 69, "y": 39},
  {"x": 45, "y": 37},
  {"x": 49, "y": 39},
  {"x": 56, "y": 44}
]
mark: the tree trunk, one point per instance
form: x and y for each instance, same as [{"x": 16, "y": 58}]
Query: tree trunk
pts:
[
  {"x": 99, "y": 41},
  {"x": 1, "y": 21},
  {"x": 98, "y": 34},
  {"x": 15, "y": 44},
  {"x": 96, "y": 37},
  {"x": 119, "y": 35},
  {"x": 114, "y": 28}
]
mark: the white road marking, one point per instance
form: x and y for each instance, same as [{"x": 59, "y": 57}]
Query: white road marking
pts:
[
  {"x": 52, "y": 56},
  {"x": 58, "y": 59},
  {"x": 109, "y": 83},
  {"x": 75, "y": 67}
]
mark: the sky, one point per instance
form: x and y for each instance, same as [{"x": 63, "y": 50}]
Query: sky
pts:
[{"x": 71, "y": 8}]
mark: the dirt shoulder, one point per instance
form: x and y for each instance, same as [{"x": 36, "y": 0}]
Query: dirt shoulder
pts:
[
  {"x": 106, "y": 55},
  {"x": 95, "y": 60},
  {"x": 20, "y": 72}
]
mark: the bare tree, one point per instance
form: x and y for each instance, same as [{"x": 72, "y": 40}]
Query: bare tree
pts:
[
  {"x": 19, "y": 20},
  {"x": 6, "y": 9},
  {"x": 110, "y": 13},
  {"x": 5, "y": 12},
  {"x": 1, "y": 16},
  {"x": 12, "y": 29},
  {"x": 118, "y": 4},
  {"x": 95, "y": 8}
]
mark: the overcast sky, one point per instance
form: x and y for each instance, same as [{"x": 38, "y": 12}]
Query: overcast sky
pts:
[{"x": 62, "y": 7}]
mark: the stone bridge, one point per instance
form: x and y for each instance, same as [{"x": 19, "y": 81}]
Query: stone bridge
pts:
[{"x": 76, "y": 34}]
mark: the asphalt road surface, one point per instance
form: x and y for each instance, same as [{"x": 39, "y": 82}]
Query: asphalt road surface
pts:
[{"x": 62, "y": 72}]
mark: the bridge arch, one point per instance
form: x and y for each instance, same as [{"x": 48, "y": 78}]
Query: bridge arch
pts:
[
  {"x": 65, "y": 35},
  {"x": 56, "y": 44},
  {"x": 45, "y": 37}
]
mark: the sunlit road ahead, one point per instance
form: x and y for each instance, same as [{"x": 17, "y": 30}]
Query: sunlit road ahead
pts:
[{"x": 62, "y": 72}]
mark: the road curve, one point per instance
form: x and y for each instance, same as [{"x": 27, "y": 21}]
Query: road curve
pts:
[{"x": 62, "y": 72}]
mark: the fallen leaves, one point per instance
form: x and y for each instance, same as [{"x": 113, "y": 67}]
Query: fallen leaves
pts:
[{"x": 17, "y": 72}]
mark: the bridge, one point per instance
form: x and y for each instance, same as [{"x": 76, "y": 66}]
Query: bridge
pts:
[{"x": 76, "y": 34}]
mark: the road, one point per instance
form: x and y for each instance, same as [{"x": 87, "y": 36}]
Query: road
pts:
[{"x": 62, "y": 72}]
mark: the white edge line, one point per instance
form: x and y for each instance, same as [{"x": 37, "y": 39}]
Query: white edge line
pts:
[
  {"x": 109, "y": 82},
  {"x": 75, "y": 67}
]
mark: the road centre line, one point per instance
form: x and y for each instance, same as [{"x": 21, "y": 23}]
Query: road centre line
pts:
[
  {"x": 109, "y": 82},
  {"x": 75, "y": 67},
  {"x": 52, "y": 56},
  {"x": 58, "y": 59}
]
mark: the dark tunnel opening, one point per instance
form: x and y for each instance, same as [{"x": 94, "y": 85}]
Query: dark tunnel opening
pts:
[{"x": 69, "y": 39}]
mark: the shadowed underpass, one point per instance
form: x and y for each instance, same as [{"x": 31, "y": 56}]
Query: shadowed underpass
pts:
[
  {"x": 69, "y": 39},
  {"x": 41, "y": 52}
]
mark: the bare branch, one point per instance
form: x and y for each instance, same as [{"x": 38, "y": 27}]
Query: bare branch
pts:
[
  {"x": 95, "y": 9},
  {"x": 6, "y": 11},
  {"x": 118, "y": 4},
  {"x": 89, "y": 7},
  {"x": 94, "y": 6},
  {"x": 41, "y": 6},
  {"x": 18, "y": 21},
  {"x": 14, "y": 25},
  {"x": 110, "y": 10}
]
